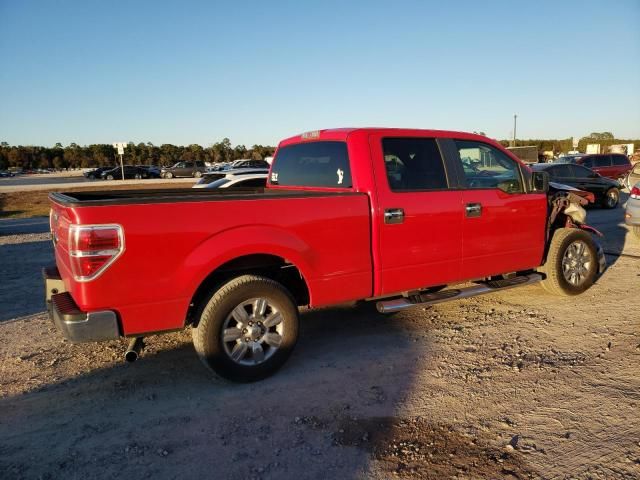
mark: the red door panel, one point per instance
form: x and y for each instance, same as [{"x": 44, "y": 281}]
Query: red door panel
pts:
[{"x": 508, "y": 235}]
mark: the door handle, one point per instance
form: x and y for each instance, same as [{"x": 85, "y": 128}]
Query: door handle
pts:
[
  {"x": 473, "y": 210},
  {"x": 393, "y": 215}
]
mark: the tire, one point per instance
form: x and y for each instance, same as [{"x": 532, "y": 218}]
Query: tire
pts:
[
  {"x": 137, "y": 176},
  {"x": 197, "y": 174},
  {"x": 168, "y": 175},
  {"x": 572, "y": 262},
  {"x": 611, "y": 198},
  {"x": 223, "y": 312},
  {"x": 109, "y": 177},
  {"x": 91, "y": 177}
]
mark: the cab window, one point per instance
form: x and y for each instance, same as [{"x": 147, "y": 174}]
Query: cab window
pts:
[
  {"x": 312, "y": 164},
  {"x": 413, "y": 164},
  {"x": 486, "y": 167}
]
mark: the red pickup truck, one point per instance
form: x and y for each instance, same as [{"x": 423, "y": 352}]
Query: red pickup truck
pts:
[{"x": 392, "y": 216}]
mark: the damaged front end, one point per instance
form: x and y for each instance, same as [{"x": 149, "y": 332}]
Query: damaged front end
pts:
[{"x": 566, "y": 210}]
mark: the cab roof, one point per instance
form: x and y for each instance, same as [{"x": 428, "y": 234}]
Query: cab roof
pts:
[{"x": 341, "y": 134}]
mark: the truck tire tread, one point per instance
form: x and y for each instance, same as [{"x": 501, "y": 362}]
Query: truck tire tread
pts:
[
  {"x": 206, "y": 335},
  {"x": 555, "y": 282}
]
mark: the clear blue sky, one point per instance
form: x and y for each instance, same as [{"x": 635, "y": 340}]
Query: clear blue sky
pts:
[{"x": 194, "y": 72}]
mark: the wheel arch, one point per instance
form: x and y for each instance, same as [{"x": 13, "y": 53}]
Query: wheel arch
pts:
[{"x": 267, "y": 265}]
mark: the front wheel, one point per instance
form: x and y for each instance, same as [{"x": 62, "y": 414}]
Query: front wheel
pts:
[
  {"x": 611, "y": 198},
  {"x": 137, "y": 176},
  {"x": 572, "y": 262},
  {"x": 168, "y": 175},
  {"x": 109, "y": 177},
  {"x": 197, "y": 174},
  {"x": 247, "y": 329}
]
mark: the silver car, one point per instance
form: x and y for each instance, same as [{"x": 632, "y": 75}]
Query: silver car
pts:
[
  {"x": 633, "y": 176},
  {"x": 632, "y": 214},
  {"x": 240, "y": 178}
]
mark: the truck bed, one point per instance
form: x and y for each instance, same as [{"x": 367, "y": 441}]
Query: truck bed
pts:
[{"x": 125, "y": 197}]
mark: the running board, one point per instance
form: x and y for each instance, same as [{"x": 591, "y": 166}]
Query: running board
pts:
[{"x": 426, "y": 299}]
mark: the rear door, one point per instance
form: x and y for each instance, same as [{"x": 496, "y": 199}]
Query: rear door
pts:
[
  {"x": 504, "y": 227},
  {"x": 602, "y": 165},
  {"x": 620, "y": 165},
  {"x": 419, "y": 215}
]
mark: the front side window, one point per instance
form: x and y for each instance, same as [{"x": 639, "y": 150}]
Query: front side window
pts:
[
  {"x": 413, "y": 164},
  {"x": 588, "y": 162},
  {"x": 603, "y": 161},
  {"x": 312, "y": 164},
  {"x": 486, "y": 167}
]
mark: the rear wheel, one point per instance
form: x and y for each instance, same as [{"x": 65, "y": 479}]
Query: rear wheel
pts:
[
  {"x": 247, "y": 329},
  {"x": 197, "y": 174},
  {"x": 572, "y": 262},
  {"x": 611, "y": 198},
  {"x": 137, "y": 176},
  {"x": 109, "y": 177}
]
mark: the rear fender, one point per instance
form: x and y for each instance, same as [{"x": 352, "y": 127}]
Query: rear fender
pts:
[{"x": 238, "y": 242}]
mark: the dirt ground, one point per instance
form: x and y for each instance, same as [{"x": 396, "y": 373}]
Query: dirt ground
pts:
[{"x": 518, "y": 384}]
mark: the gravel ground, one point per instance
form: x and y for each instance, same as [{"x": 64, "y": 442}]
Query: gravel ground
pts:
[{"x": 518, "y": 384}]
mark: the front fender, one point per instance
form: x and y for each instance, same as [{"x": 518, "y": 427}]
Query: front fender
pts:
[{"x": 237, "y": 242}]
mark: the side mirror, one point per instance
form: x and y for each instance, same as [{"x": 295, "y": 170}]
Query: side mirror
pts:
[{"x": 539, "y": 182}]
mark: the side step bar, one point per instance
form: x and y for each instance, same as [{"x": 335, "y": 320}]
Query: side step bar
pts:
[{"x": 389, "y": 306}]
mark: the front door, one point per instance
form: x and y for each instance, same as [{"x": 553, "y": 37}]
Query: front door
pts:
[
  {"x": 419, "y": 217},
  {"x": 504, "y": 226}
]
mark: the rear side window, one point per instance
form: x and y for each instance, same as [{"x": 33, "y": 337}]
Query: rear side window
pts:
[
  {"x": 619, "y": 160},
  {"x": 313, "y": 164},
  {"x": 413, "y": 164}
]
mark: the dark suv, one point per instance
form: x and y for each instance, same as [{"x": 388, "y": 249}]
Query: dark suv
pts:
[
  {"x": 184, "y": 169},
  {"x": 611, "y": 165}
]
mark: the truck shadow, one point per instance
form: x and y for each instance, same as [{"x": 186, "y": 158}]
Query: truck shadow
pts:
[
  {"x": 21, "y": 289},
  {"x": 335, "y": 405}
]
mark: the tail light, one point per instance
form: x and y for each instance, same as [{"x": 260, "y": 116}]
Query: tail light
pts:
[
  {"x": 635, "y": 192},
  {"x": 93, "y": 248}
]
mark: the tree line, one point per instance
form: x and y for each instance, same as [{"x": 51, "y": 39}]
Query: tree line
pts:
[
  {"x": 99, "y": 155},
  {"x": 605, "y": 139}
]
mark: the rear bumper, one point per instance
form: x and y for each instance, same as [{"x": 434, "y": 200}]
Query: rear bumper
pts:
[{"x": 76, "y": 325}]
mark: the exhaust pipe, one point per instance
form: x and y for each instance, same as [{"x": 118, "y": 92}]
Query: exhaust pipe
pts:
[{"x": 133, "y": 350}]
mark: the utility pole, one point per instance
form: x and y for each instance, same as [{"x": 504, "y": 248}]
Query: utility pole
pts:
[
  {"x": 515, "y": 119},
  {"x": 120, "y": 146}
]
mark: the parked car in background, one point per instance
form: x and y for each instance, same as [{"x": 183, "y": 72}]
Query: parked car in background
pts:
[
  {"x": 96, "y": 173},
  {"x": 606, "y": 190},
  {"x": 152, "y": 171},
  {"x": 4, "y": 173},
  {"x": 248, "y": 163},
  {"x": 184, "y": 169},
  {"x": 240, "y": 178},
  {"x": 130, "y": 171},
  {"x": 218, "y": 166},
  {"x": 611, "y": 165},
  {"x": 632, "y": 214},
  {"x": 633, "y": 176}
]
